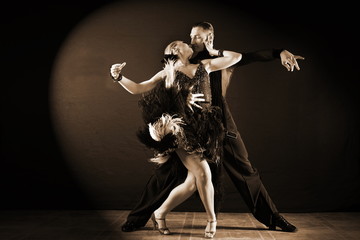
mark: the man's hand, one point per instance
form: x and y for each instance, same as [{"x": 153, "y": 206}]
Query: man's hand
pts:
[
  {"x": 116, "y": 69},
  {"x": 193, "y": 98},
  {"x": 289, "y": 60}
]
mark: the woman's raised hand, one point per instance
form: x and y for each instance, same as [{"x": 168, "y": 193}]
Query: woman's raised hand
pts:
[
  {"x": 209, "y": 44},
  {"x": 116, "y": 68},
  {"x": 209, "y": 41}
]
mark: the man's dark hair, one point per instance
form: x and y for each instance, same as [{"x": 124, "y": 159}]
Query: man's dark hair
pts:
[{"x": 205, "y": 26}]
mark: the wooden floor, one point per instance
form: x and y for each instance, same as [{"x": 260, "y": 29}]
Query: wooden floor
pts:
[{"x": 105, "y": 225}]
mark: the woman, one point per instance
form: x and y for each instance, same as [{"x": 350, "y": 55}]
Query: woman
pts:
[{"x": 171, "y": 127}]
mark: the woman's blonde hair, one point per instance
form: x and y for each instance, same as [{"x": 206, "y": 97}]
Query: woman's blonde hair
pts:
[{"x": 169, "y": 50}]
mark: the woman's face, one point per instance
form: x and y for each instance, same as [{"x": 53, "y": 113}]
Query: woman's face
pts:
[{"x": 182, "y": 48}]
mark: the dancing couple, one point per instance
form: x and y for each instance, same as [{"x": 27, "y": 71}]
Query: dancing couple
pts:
[{"x": 188, "y": 125}]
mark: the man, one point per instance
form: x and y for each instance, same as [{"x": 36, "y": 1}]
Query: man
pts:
[{"x": 235, "y": 159}]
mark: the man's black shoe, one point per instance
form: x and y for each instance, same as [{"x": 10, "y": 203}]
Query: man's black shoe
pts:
[
  {"x": 280, "y": 221},
  {"x": 128, "y": 227}
]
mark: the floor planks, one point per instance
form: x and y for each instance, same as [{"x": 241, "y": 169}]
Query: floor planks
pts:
[{"x": 106, "y": 225}]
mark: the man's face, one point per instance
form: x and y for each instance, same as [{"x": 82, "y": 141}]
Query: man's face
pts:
[{"x": 198, "y": 36}]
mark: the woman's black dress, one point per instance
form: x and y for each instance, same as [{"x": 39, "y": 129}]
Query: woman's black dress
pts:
[{"x": 171, "y": 124}]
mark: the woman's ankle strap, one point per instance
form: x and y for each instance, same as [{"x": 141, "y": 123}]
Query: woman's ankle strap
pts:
[{"x": 214, "y": 221}]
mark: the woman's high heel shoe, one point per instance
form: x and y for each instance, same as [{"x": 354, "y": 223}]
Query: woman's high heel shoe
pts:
[
  {"x": 163, "y": 230},
  {"x": 209, "y": 233}
]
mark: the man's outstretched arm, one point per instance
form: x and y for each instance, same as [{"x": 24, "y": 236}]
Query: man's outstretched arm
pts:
[{"x": 288, "y": 60}]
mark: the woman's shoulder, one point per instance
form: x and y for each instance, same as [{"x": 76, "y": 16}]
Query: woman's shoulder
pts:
[{"x": 161, "y": 73}]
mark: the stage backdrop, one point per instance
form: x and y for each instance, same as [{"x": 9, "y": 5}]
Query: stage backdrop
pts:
[{"x": 300, "y": 128}]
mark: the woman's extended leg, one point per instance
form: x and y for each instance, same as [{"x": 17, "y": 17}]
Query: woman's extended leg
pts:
[
  {"x": 178, "y": 195},
  {"x": 202, "y": 173}
]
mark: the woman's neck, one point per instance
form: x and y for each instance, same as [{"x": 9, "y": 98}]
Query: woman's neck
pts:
[{"x": 184, "y": 62}]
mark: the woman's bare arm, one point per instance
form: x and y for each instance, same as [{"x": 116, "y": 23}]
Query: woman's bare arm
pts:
[{"x": 133, "y": 87}]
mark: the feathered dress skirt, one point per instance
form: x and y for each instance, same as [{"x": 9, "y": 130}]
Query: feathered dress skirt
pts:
[{"x": 170, "y": 124}]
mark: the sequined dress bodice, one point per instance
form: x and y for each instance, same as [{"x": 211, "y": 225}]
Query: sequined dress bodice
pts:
[
  {"x": 202, "y": 130},
  {"x": 200, "y": 83}
]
